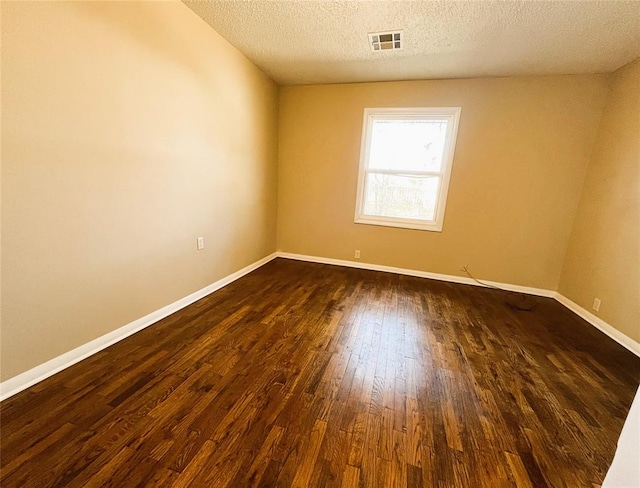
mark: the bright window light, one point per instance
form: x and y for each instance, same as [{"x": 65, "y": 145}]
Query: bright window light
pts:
[{"x": 405, "y": 165}]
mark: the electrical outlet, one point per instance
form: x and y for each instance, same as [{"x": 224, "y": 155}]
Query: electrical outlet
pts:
[
  {"x": 596, "y": 304},
  {"x": 357, "y": 254},
  {"x": 200, "y": 241}
]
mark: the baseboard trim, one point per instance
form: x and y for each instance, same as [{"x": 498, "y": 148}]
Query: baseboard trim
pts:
[
  {"x": 541, "y": 292},
  {"x": 35, "y": 375},
  {"x": 597, "y": 322},
  {"x": 622, "y": 339}
]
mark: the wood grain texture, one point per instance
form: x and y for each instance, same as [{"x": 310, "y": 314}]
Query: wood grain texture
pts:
[{"x": 303, "y": 374}]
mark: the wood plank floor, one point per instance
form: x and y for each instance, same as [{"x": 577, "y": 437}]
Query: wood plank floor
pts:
[{"x": 303, "y": 374}]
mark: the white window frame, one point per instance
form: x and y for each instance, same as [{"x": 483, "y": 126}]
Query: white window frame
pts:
[{"x": 452, "y": 115}]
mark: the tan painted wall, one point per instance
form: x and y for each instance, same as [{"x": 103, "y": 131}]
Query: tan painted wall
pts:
[
  {"x": 128, "y": 130},
  {"x": 603, "y": 258},
  {"x": 522, "y": 151}
]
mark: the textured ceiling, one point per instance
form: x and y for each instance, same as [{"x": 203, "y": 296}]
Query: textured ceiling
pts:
[{"x": 319, "y": 41}]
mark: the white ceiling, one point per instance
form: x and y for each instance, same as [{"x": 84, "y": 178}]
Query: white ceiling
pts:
[{"x": 320, "y": 41}]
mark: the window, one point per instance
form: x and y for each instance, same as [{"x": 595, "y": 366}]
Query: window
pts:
[{"x": 405, "y": 165}]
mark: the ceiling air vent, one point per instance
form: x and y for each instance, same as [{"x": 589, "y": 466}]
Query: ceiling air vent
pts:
[{"x": 386, "y": 41}]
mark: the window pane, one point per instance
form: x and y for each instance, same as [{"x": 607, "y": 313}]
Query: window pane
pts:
[
  {"x": 415, "y": 145},
  {"x": 409, "y": 197}
]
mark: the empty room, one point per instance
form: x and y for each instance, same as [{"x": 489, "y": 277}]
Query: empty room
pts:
[{"x": 278, "y": 243}]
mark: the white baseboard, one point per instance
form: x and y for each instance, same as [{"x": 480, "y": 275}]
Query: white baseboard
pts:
[
  {"x": 29, "y": 378},
  {"x": 598, "y": 323},
  {"x": 420, "y": 274},
  {"x": 35, "y": 375}
]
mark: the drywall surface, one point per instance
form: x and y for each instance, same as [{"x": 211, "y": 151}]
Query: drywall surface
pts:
[
  {"x": 128, "y": 130},
  {"x": 603, "y": 257},
  {"x": 522, "y": 151}
]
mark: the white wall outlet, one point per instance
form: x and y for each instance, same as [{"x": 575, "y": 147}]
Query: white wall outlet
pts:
[
  {"x": 200, "y": 241},
  {"x": 596, "y": 304},
  {"x": 357, "y": 254}
]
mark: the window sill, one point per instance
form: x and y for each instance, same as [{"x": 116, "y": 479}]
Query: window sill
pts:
[{"x": 403, "y": 224}]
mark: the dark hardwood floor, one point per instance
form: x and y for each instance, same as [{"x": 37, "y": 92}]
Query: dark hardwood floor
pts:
[{"x": 303, "y": 374}]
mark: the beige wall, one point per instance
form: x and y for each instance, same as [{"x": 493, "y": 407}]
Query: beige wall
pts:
[
  {"x": 128, "y": 130},
  {"x": 603, "y": 258},
  {"x": 522, "y": 151}
]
